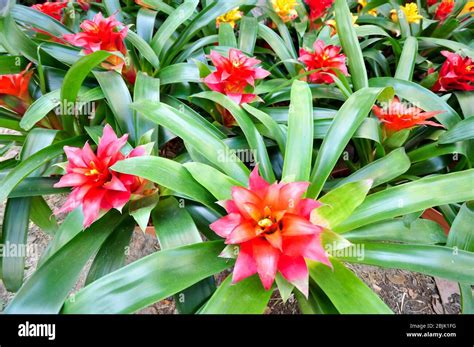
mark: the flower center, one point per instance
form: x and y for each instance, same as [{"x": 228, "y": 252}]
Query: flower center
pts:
[
  {"x": 93, "y": 171},
  {"x": 265, "y": 223}
]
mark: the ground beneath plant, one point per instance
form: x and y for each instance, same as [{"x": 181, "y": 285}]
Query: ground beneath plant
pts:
[{"x": 403, "y": 291}]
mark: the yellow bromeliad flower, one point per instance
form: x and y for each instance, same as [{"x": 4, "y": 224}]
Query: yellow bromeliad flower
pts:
[
  {"x": 285, "y": 9},
  {"x": 362, "y": 4},
  {"x": 230, "y": 17},
  {"x": 411, "y": 13},
  {"x": 333, "y": 25},
  {"x": 468, "y": 8}
]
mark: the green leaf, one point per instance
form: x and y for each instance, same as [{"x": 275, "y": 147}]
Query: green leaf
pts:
[
  {"x": 270, "y": 124},
  {"x": 36, "y": 186},
  {"x": 427, "y": 259},
  {"x": 37, "y": 19},
  {"x": 382, "y": 170},
  {"x": 251, "y": 133},
  {"x": 464, "y": 130},
  {"x": 244, "y": 297},
  {"x": 171, "y": 24},
  {"x": 179, "y": 73},
  {"x": 48, "y": 102},
  {"x": 248, "y": 34},
  {"x": 146, "y": 88},
  {"x": 338, "y": 204},
  {"x": 412, "y": 197},
  {"x": 35, "y": 161},
  {"x": 406, "y": 64},
  {"x": 350, "y": 44},
  {"x": 422, "y": 97},
  {"x": 349, "y": 117},
  {"x": 346, "y": 291},
  {"x": 217, "y": 183},
  {"x": 146, "y": 23},
  {"x": 466, "y": 101},
  {"x": 119, "y": 100},
  {"x": 278, "y": 46},
  {"x": 111, "y": 255},
  {"x": 53, "y": 280},
  {"x": 461, "y": 234},
  {"x": 77, "y": 73},
  {"x": 145, "y": 50},
  {"x": 174, "y": 228},
  {"x": 432, "y": 42},
  {"x": 69, "y": 228},
  {"x": 148, "y": 280},
  {"x": 167, "y": 173},
  {"x": 200, "y": 138},
  {"x": 419, "y": 231},
  {"x": 14, "y": 234},
  {"x": 42, "y": 216},
  {"x": 299, "y": 146},
  {"x": 206, "y": 16},
  {"x": 227, "y": 36}
]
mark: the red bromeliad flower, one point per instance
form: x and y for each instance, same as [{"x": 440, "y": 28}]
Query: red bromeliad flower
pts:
[
  {"x": 431, "y": 2},
  {"x": 271, "y": 223},
  {"x": 14, "y": 92},
  {"x": 95, "y": 185},
  {"x": 101, "y": 33},
  {"x": 235, "y": 75},
  {"x": 325, "y": 58},
  {"x": 397, "y": 116},
  {"x": 318, "y": 8},
  {"x": 444, "y": 9},
  {"x": 52, "y": 9},
  {"x": 457, "y": 73}
]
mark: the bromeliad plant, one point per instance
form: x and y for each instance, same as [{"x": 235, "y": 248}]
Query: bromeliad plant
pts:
[{"x": 271, "y": 142}]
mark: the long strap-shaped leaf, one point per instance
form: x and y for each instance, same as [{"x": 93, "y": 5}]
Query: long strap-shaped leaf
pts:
[
  {"x": 167, "y": 173},
  {"x": 349, "y": 117},
  {"x": 149, "y": 280},
  {"x": 253, "y": 137},
  {"x": 35, "y": 161},
  {"x": 407, "y": 61},
  {"x": 431, "y": 260},
  {"x": 299, "y": 145},
  {"x": 169, "y": 26},
  {"x": 199, "y": 137},
  {"x": 175, "y": 228},
  {"x": 412, "y": 197},
  {"x": 245, "y": 297},
  {"x": 346, "y": 291},
  {"x": 461, "y": 236},
  {"x": 46, "y": 290},
  {"x": 350, "y": 44}
]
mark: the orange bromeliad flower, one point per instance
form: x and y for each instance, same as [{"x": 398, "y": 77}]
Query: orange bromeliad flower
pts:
[
  {"x": 14, "y": 92},
  {"x": 230, "y": 17},
  {"x": 285, "y": 9},
  {"x": 235, "y": 75},
  {"x": 95, "y": 185},
  {"x": 271, "y": 224},
  {"x": 397, "y": 116},
  {"x": 457, "y": 73},
  {"x": 101, "y": 33},
  {"x": 318, "y": 8},
  {"x": 468, "y": 8},
  {"x": 444, "y": 9},
  {"x": 410, "y": 11},
  {"x": 326, "y": 58},
  {"x": 52, "y": 9}
]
